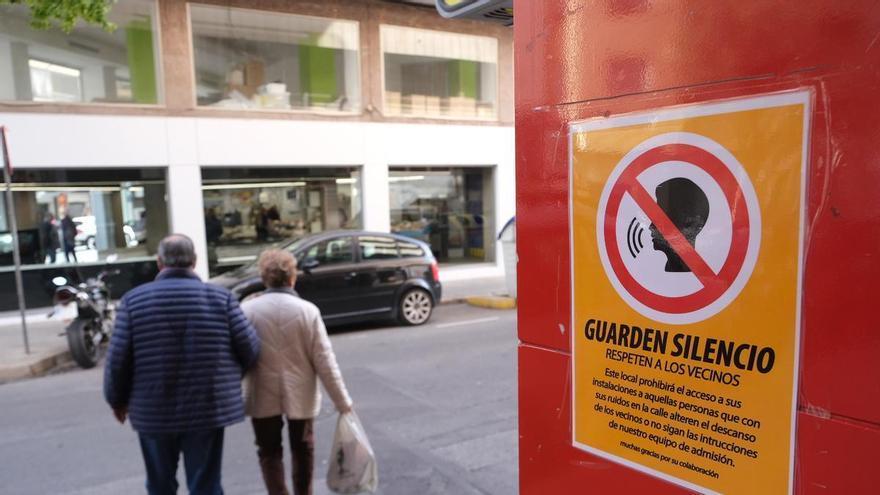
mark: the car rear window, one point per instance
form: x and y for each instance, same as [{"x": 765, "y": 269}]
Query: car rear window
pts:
[
  {"x": 410, "y": 249},
  {"x": 377, "y": 248}
]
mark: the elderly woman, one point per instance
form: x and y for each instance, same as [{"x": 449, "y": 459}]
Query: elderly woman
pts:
[{"x": 296, "y": 352}]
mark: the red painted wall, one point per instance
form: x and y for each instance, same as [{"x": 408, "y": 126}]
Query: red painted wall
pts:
[{"x": 582, "y": 59}]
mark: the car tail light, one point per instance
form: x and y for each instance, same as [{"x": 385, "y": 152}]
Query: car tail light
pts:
[
  {"x": 435, "y": 271},
  {"x": 64, "y": 295}
]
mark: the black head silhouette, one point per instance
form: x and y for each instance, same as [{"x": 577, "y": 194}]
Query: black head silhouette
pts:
[{"x": 688, "y": 208}]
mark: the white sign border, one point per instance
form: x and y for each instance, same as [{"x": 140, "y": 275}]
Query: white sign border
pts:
[{"x": 801, "y": 96}]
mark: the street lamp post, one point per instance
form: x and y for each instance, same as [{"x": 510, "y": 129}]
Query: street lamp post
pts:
[{"x": 16, "y": 254}]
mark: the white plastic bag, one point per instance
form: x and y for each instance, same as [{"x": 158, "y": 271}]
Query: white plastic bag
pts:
[{"x": 352, "y": 467}]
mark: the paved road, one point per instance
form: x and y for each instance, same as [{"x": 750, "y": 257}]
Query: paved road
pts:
[{"x": 438, "y": 402}]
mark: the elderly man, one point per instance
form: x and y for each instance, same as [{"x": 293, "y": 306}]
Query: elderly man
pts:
[{"x": 175, "y": 363}]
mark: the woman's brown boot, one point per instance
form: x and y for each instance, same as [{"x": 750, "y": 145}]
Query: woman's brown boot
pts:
[{"x": 273, "y": 474}]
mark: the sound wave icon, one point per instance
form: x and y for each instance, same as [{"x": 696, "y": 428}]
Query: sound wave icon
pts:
[{"x": 634, "y": 237}]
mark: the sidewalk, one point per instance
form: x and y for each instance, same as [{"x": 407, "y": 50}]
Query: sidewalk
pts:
[
  {"x": 456, "y": 291},
  {"x": 48, "y": 349},
  {"x": 490, "y": 292}
]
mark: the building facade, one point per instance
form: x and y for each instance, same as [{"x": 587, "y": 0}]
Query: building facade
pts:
[{"x": 245, "y": 124}]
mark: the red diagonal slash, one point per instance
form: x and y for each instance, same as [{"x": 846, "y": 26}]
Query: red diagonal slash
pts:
[
  {"x": 714, "y": 284},
  {"x": 673, "y": 236}
]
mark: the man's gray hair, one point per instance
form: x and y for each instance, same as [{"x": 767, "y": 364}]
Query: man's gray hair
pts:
[{"x": 177, "y": 251}]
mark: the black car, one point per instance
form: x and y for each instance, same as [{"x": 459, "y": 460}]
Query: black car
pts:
[{"x": 356, "y": 276}]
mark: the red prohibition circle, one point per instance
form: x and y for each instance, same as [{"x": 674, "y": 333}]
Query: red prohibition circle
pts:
[{"x": 714, "y": 284}]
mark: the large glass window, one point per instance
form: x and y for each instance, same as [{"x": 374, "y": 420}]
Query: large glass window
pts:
[
  {"x": 73, "y": 223},
  {"x": 87, "y": 65},
  {"x": 449, "y": 208},
  {"x": 268, "y": 60},
  {"x": 86, "y": 216},
  {"x": 250, "y": 209},
  {"x": 434, "y": 73}
]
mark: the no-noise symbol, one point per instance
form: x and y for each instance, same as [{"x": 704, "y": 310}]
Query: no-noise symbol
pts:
[{"x": 679, "y": 228}]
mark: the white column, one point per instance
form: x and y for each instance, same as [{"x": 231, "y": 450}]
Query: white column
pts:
[
  {"x": 375, "y": 208},
  {"x": 505, "y": 185},
  {"x": 374, "y": 180},
  {"x": 185, "y": 204}
]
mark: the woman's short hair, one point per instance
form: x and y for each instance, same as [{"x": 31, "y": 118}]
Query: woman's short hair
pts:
[{"x": 277, "y": 268}]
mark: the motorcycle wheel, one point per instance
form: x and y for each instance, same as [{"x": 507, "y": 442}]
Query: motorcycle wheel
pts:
[{"x": 80, "y": 339}]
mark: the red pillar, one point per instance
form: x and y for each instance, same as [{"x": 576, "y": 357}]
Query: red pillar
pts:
[{"x": 578, "y": 60}]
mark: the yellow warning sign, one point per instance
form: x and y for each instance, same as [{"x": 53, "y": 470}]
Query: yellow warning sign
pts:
[{"x": 686, "y": 245}]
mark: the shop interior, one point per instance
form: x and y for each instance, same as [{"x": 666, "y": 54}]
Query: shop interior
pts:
[
  {"x": 250, "y": 209},
  {"x": 264, "y": 60},
  {"x": 433, "y": 73},
  {"x": 451, "y": 209}
]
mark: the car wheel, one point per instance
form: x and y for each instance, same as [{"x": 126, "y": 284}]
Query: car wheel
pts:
[
  {"x": 415, "y": 307},
  {"x": 90, "y": 242}
]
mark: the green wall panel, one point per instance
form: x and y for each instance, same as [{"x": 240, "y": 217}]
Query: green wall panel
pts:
[
  {"x": 317, "y": 73},
  {"x": 463, "y": 78},
  {"x": 141, "y": 61}
]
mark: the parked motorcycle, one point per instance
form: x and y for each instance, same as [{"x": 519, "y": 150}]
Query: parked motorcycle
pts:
[{"x": 88, "y": 312}]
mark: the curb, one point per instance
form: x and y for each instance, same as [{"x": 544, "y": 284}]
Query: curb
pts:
[
  {"x": 40, "y": 367},
  {"x": 492, "y": 302}
]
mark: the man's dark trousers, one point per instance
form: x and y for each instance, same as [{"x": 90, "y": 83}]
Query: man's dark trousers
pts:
[{"x": 202, "y": 458}]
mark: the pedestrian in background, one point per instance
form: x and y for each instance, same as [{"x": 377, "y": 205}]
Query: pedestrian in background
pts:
[
  {"x": 68, "y": 236},
  {"x": 49, "y": 238},
  {"x": 283, "y": 384},
  {"x": 175, "y": 364}
]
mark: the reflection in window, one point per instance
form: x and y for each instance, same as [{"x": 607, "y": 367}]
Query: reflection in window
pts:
[
  {"x": 51, "y": 82},
  {"x": 250, "y": 209},
  {"x": 433, "y": 73},
  {"x": 410, "y": 249},
  {"x": 330, "y": 252},
  {"x": 87, "y": 65},
  {"x": 451, "y": 209},
  {"x": 377, "y": 248},
  {"x": 77, "y": 217},
  {"x": 269, "y": 60}
]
